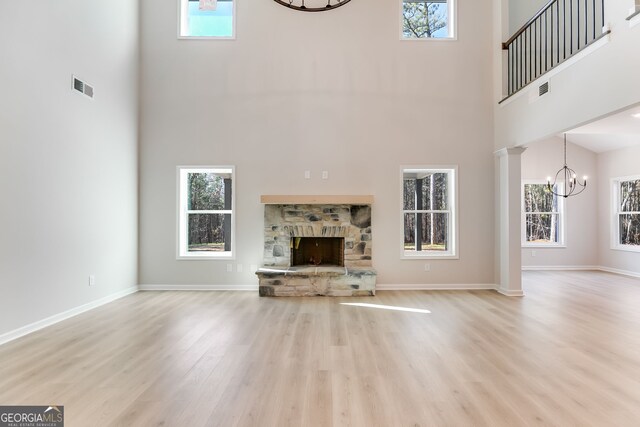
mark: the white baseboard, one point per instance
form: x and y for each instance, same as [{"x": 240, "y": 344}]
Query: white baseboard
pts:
[
  {"x": 618, "y": 271},
  {"x": 435, "y": 287},
  {"x": 198, "y": 287},
  {"x": 20, "y": 332},
  {"x": 17, "y": 333},
  {"x": 510, "y": 293},
  {"x": 559, "y": 267},
  {"x": 580, "y": 268}
]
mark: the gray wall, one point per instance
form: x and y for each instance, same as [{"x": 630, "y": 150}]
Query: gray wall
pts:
[
  {"x": 335, "y": 91},
  {"x": 589, "y": 228},
  {"x": 615, "y": 164},
  {"x": 68, "y": 164},
  {"x": 543, "y": 159}
]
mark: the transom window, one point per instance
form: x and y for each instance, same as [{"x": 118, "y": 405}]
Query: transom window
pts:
[
  {"x": 207, "y": 19},
  {"x": 206, "y": 212},
  {"x": 427, "y": 19},
  {"x": 428, "y": 213},
  {"x": 626, "y": 209},
  {"x": 542, "y": 215}
]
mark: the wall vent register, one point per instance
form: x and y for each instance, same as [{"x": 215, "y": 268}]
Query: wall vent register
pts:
[
  {"x": 82, "y": 87},
  {"x": 544, "y": 88}
]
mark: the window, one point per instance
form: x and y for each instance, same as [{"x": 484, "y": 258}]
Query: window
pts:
[
  {"x": 206, "y": 212},
  {"x": 626, "y": 209},
  {"x": 542, "y": 215},
  {"x": 429, "y": 212},
  {"x": 427, "y": 19},
  {"x": 207, "y": 19}
]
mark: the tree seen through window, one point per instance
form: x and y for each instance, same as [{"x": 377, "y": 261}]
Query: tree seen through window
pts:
[
  {"x": 426, "y": 212},
  {"x": 629, "y": 213},
  {"x": 542, "y": 215},
  {"x": 425, "y": 19}
]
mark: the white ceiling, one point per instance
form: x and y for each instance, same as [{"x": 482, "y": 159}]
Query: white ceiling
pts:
[{"x": 617, "y": 131}]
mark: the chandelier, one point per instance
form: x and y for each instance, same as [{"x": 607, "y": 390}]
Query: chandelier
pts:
[
  {"x": 566, "y": 175},
  {"x": 312, "y": 5}
]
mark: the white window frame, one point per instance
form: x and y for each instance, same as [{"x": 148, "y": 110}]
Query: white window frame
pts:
[
  {"x": 452, "y": 24},
  {"x": 183, "y": 22},
  {"x": 562, "y": 214},
  {"x": 452, "y": 253},
  {"x": 615, "y": 214},
  {"x": 183, "y": 214}
]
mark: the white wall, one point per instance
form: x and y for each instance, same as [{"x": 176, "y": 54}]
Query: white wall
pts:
[
  {"x": 543, "y": 159},
  {"x": 68, "y": 172},
  {"x": 615, "y": 164},
  {"x": 520, "y": 11},
  {"x": 335, "y": 91}
]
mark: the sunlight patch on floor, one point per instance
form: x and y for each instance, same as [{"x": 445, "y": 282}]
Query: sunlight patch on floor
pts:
[{"x": 386, "y": 307}]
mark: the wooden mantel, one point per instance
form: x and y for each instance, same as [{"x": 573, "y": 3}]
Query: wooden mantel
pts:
[{"x": 316, "y": 200}]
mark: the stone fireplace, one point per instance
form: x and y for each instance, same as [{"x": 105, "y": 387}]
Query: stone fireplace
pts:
[
  {"x": 321, "y": 246},
  {"x": 317, "y": 251}
]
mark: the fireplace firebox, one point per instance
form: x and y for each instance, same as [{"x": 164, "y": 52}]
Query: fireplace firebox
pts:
[{"x": 317, "y": 251}]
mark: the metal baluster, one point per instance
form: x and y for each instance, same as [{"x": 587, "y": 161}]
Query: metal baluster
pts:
[
  {"x": 578, "y": 23},
  {"x": 510, "y": 71},
  {"x": 533, "y": 49},
  {"x": 558, "y": 31},
  {"x": 524, "y": 58},
  {"x": 571, "y": 29},
  {"x": 517, "y": 62},
  {"x": 540, "y": 45},
  {"x": 513, "y": 66},
  {"x": 530, "y": 53},
  {"x": 594, "y": 19},
  {"x": 586, "y": 22},
  {"x": 545, "y": 41},
  {"x": 564, "y": 29},
  {"x": 551, "y": 36},
  {"x": 521, "y": 61}
]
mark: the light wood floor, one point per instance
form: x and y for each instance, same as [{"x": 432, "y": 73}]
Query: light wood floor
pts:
[{"x": 567, "y": 354}]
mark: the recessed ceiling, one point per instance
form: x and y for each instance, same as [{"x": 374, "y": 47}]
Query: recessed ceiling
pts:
[{"x": 614, "y": 132}]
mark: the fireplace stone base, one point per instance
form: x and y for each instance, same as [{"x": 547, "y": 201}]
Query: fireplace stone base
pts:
[{"x": 316, "y": 281}]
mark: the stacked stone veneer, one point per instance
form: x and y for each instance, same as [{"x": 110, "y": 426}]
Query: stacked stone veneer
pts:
[{"x": 282, "y": 222}]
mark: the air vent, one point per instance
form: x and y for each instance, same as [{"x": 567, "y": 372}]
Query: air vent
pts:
[
  {"x": 82, "y": 87},
  {"x": 544, "y": 88}
]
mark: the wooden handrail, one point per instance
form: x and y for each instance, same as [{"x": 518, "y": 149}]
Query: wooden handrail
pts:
[{"x": 544, "y": 8}]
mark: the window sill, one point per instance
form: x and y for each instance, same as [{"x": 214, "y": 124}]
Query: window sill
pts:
[
  {"x": 429, "y": 256},
  {"x": 626, "y": 248},
  {"x": 229, "y": 257},
  {"x": 429, "y": 39},
  {"x": 206, "y": 37},
  {"x": 544, "y": 246}
]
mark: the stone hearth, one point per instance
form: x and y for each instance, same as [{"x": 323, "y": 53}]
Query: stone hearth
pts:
[
  {"x": 317, "y": 281},
  {"x": 285, "y": 222}
]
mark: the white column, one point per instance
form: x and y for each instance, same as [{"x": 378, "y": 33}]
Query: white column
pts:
[{"x": 510, "y": 257}]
